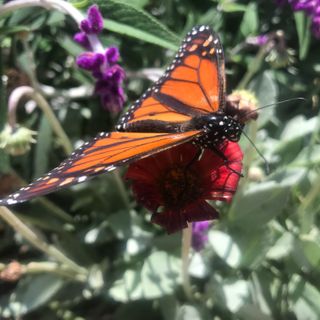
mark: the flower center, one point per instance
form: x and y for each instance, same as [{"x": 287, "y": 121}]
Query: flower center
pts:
[{"x": 179, "y": 186}]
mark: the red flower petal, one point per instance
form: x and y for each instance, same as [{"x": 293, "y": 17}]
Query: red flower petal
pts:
[
  {"x": 179, "y": 183},
  {"x": 223, "y": 181},
  {"x": 175, "y": 220}
]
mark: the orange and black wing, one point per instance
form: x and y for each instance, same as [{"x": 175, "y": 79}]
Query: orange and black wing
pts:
[
  {"x": 104, "y": 153},
  {"x": 193, "y": 84}
]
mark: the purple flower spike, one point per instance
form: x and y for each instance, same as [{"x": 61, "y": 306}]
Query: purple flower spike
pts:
[
  {"x": 199, "y": 235},
  {"x": 101, "y": 62},
  {"x": 310, "y": 7}
]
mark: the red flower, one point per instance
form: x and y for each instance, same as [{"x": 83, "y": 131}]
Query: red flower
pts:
[{"x": 174, "y": 185}]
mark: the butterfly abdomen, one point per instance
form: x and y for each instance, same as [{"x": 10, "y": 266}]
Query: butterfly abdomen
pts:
[{"x": 150, "y": 126}]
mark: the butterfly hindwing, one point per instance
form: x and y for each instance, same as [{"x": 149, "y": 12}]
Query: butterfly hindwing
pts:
[
  {"x": 193, "y": 84},
  {"x": 104, "y": 153}
]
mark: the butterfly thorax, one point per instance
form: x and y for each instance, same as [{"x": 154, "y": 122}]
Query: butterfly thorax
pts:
[{"x": 216, "y": 128}]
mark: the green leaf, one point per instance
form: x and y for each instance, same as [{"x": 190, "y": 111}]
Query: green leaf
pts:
[
  {"x": 137, "y": 3},
  {"x": 250, "y": 21},
  {"x": 306, "y": 126},
  {"x": 168, "y": 306},
  {"x": 230, "y": 6},
  {"x": 160, "y": 275},
  {"x": 252, "y": 312},
  {"x": 303, "y": 24},
  {"x": 198, "y": 267},
  {"x": 229, "y": 293},
  {"x": 128, "y": 288},
  {"x": 266, "y": 90},
  {"x": 311, "y": 250},
  {"x": 31, "y": 293},
  {"x": 259, "y": 204},
  {"x": 282, "y": 248},
  {"x": 124, "y": 18},
  {"x": 308, "y": 157},
  {"x": 188, "y": 312},
  {"x": 5, "y": 31},
  {"x": 225, "y": 247},
  {"x": 304, "y": 298}
]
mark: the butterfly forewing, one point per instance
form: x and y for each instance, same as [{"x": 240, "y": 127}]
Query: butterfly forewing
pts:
[
  {"x": 104, "y": 153},
  {"x": 193, "y": 84}
]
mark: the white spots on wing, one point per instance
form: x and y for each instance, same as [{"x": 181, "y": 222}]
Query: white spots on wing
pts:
[
  {"x": 11, "y": 201},
  {"x": 202, "y": 28},
  {"x": 221, "y": 123},
  {"x": 82, "y": 178},
  {"x": 110, "y": 168},
  {"x": 16, "y": 195}
]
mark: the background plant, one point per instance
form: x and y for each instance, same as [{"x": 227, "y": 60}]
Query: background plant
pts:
[{"x": 99, "y": 256}]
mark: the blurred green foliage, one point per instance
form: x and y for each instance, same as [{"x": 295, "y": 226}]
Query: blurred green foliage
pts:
[{"x": 262, "y": 260}]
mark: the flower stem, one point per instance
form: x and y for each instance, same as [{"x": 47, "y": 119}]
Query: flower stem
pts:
[
  {"x": 185, "y": 252},
  {"x": 254, "y": 66},
  {"x": 42, "y": 103},
  {"x": 63, "y": 6},
  {"x": 38, "y": 242},
  {"x": 48, "y": 267}
]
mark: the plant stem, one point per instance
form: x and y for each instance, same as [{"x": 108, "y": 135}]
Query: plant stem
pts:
[
  {"x": 48, "y": 267},
  {"x": 38, "y": 242},
  {"x": 254, "y": 66},
  {"x": 42, "y": 103},
  {"x": 63, "y": 6},
  {"x": 185, "y": 252}
]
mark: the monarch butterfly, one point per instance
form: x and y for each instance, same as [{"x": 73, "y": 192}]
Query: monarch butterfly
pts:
[{"x": 186, "y": 104}]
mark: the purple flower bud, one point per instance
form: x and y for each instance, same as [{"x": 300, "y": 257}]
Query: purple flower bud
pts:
[
  {"x": 95, "y": 18},
  {"x": 114, "y": 73},
  {"x": 112, "y": 55},
  {"x": 82, "y": 39},
  {"x": 85, "y": 26},
  {"x": 90, "y": 60},
  {"x": 199, "y": 235},
  {"x": 113, "y": 100},
  {"x": 307, "y": 6},
  {"x": 94, "y": 23}
]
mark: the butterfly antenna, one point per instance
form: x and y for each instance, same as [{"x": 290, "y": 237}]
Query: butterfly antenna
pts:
[
  {"x": 266, "y": 163},
  {"x": 273, "y": 104}
]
